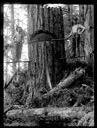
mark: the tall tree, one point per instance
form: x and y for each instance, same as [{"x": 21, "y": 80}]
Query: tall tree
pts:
[
  {"x": 67, "y": 29},
  {"x": 12, "y": 34},
  {"x": 81, "y": 13},
  {"x": 87, "y": 18},
  {"x": 46, "y": 57}
]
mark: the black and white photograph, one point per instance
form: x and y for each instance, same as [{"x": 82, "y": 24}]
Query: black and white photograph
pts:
[{"x": 48, "y": 65}]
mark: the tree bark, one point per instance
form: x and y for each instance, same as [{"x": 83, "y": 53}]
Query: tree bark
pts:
[
  {"x": 87, "y": 19},
  {"x": 89, "y": 33},
  {"x": 81, "y": 13},
  {"x": 47, "y": 58}
]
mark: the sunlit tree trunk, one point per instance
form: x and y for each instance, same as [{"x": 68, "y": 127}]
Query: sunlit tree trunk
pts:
[{"x": 12, "y": 34}]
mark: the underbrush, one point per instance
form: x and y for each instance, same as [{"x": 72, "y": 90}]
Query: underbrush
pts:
[{"x": 80, "y": 94}]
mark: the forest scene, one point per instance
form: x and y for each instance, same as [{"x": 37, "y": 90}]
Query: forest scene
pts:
[{"x": 48, "y": 65}]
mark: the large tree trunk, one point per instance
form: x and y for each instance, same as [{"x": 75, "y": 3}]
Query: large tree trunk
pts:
[
  {"x": 87, "y": 19},
  {"x": 47, "y": 58},
  {"x": 89, "y": 34},
  {"x": 68, "y": 26},
  {"x": 33, "y": 15},
  {"x": 88, "y": 11},
  {"x": 81, "y": 14},
  {"x": 35, "y": 18}
]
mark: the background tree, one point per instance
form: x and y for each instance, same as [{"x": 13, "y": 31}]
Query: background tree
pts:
[
  {"x": 7, "y": 40},
  {"x": 87, "y": 18},
  {"x": 12, "y": 35}
]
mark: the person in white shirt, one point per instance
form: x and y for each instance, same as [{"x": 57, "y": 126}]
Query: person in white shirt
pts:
[
  {"x": 18, "y": 40},
  {"x": 76, "y": 31}
]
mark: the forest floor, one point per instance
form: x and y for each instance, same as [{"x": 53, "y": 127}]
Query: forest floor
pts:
[{"x": 72, "y": 106}]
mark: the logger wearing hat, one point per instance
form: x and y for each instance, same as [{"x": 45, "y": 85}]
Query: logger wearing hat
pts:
[
  {"x": 76, "y": 31},
  {"x": 18, "y": 40}
]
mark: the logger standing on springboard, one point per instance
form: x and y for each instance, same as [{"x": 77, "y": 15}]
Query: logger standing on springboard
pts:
[
  {"x": 18, "y": 40},
  {"x": 76, "y": 31}
]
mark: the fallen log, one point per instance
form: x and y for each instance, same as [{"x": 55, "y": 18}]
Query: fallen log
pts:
[
  {"x": 49, "y": 116},
  {"x": 66, "y": 82},
  {"x": 45, "y": 115}
]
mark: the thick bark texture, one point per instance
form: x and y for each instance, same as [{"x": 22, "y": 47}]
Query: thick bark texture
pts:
[
  {"x": 87, "y": 19},
  {"x": 46, "y": 65},
  {"x": 89, "y": 34},
  {"x": 47, "y": 56}
]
